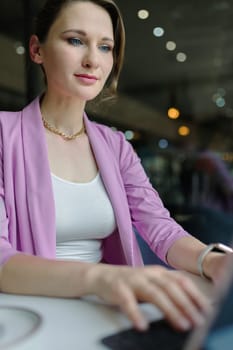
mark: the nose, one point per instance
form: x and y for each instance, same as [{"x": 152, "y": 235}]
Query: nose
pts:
[{"x": 90, "y": 59}]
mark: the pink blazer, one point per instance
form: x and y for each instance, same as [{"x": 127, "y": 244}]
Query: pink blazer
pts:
[{"x": 27, "y": 210}]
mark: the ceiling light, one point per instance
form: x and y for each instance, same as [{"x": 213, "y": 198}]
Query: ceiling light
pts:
[
  {"x": 181, "y": 57},
  {"x": 20, "y": 50},
  {"x": 183, "y": 130},
  {"x": 220, "y": 102},
  {"x": 158, "y": 31},
  {"x": 173, "y": 113},
  {"x": 129, "y": 135},
  {"x": 218, "y": 95},
  {"x": 163, "y": 143},
  {"x": 143, "y": 14},
  {"x": 170, "y": 45}
]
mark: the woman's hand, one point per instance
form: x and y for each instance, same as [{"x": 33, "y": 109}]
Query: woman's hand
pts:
[{"x": 174, "y": 294}]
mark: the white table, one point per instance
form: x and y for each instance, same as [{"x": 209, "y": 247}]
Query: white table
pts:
[{"x": 69, "y": 324}]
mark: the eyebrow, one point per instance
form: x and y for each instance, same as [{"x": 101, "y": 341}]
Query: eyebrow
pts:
[{"x": 81, "y": 32}]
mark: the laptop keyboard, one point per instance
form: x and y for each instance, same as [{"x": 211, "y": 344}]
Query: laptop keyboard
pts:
[{"x": 160, "y": 336}]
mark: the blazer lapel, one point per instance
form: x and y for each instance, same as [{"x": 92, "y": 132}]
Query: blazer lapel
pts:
[
  {"x": 39, "y": 195},
  {"x": 111, "y": 176}
]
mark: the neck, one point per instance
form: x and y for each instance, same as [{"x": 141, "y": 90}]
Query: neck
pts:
[{"x": 64, "y": 114}]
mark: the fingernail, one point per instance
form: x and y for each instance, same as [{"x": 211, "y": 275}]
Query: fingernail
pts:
[
  {"x": 185, "y": 324},
  {"x": 199, "y": 320},
  {"x": 142, "y": 325}
]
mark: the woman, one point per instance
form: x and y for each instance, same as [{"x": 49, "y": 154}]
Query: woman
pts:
[{"x": 71, "y": 190}]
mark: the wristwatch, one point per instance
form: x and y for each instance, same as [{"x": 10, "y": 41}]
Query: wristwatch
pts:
[{"x": 213, "y": 247}]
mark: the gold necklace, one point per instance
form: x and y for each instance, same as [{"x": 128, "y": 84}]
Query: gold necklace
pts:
[{"x": 66, "y": 137}]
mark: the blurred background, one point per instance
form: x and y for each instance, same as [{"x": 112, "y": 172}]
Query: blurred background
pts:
[{"x": 175, "y": 102}]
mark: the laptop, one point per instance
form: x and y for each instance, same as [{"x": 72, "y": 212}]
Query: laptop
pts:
[{"x": 215, "y": 334}]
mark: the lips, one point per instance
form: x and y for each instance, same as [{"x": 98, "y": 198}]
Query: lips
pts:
[
  {"x": 86, "y": 79},
  {"x": 86, "y": 76}
]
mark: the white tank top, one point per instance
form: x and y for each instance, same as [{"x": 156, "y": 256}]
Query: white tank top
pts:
[{"x": 84, "y": 216}]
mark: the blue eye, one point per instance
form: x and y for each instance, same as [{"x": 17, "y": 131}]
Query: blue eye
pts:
[
  {"x": 105, "y": 48},
  {"x": 74, "y": 41}
]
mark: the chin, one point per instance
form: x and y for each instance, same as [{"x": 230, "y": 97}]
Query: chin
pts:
[
  {"x": 89, "y": 94},
  {"x": 88, "y": 97}
]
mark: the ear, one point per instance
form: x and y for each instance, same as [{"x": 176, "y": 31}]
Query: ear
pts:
[{"x": 35, "y": 50}]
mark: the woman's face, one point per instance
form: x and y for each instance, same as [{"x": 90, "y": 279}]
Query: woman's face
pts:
[{"x": 77, "y": 56}]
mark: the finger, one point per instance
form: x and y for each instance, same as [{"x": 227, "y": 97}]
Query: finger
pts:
[
  {"x": 167, "y": 279},
  {"x": 155, "y": 295},
  {"x": 184, "y": 302},
  {"x": 194, "y": 293},
  {"x": 184, "y": 294},
  {"x": 129, "y": 306}
]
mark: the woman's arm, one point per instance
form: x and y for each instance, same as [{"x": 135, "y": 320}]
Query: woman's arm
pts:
[
  {"x": 174, "y": 294},
  {"x": 32, "y": 275},
  {"x": 184, "y": 252},
  {"x": 166, "y": 238}
]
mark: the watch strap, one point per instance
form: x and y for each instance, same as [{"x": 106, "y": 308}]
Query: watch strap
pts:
[{"x": 218, "y": 247}]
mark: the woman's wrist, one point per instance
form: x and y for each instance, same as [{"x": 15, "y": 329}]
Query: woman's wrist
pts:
[
  {"x": 208, "y": 265},
  {"x": 92, "y": 277},
  {"x": 208, "y": 258}
]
